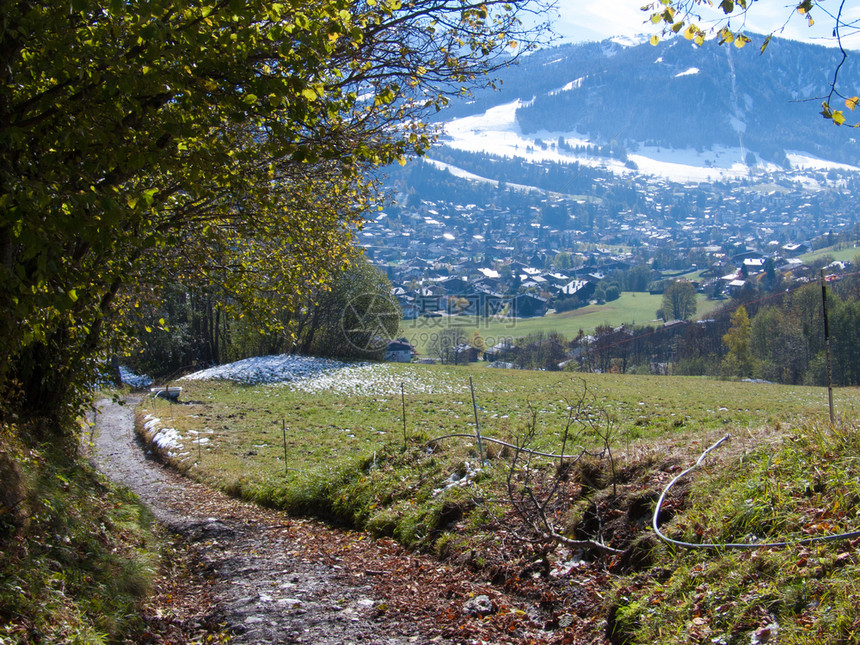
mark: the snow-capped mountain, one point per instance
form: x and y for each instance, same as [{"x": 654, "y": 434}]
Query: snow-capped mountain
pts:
[{"x": 676, "y": 110}]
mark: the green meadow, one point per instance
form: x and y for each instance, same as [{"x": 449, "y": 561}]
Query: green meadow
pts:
[
  {"x": 243, "y": 428},
  {"x": 637, "y": 308}
]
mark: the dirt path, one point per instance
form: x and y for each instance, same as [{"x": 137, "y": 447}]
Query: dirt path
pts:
[
  {"x": 252, "y": 575},
  {"x": 267, "y": 577}
]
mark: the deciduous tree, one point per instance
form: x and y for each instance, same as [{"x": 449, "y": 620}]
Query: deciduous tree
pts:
[
  {"x": 738, "y": 361},
  {"x": 679, "y": 301},
  {"x": 150, "y": 142}
]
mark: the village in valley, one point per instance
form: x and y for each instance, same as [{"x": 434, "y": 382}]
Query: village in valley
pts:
[{"x": 524, "y": 253}]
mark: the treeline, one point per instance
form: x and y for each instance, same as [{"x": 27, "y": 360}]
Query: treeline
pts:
[
  {"x": 572, "y": 178},
  {"x": 777, "y": 337},
  {"x": 199, "y": 327}
]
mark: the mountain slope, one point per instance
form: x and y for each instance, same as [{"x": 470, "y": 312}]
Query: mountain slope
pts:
[{"x": 681, "y": 97}]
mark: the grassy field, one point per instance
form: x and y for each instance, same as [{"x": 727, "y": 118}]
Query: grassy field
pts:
[
  {"x": 846, "y": 254},
  {"x": 335, "y": 447},
  {"x": 348, "y": 417},
  {"x": 638, "y": 308}
]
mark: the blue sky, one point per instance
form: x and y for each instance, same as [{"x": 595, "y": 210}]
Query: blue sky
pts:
[{"x": 582, "y": 20}]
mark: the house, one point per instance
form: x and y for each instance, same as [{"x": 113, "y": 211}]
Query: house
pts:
[
  {"x": 754, "y": 265},
  {"x": 464, "y": 353},
  {"x": 793, "y": 250},
  {"x": 399, "y": 351},
  {"x": 526, "y": 305},
  {"x": 582, "y": 289},
  {"x": 504, "y": 350}
]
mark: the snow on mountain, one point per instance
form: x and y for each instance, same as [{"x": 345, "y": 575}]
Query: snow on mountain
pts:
[
  {"x": 496, "y": 132},
  {"x": 701, "y": 115}
]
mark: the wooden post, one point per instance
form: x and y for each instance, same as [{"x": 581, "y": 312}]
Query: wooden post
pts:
[
  {"x": 284, "y": 431},
  {"x": 827, "y": 348},
  {"x": 477, "y": 424},
  {"x": 403, "y": 403}
]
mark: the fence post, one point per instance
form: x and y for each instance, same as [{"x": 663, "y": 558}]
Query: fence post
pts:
[
  {"x": 477, "y": 424},
  {"x": 827, "y": 348},
  {"x": 284, "y": 432},
  {"x": 403, "y": 403}
]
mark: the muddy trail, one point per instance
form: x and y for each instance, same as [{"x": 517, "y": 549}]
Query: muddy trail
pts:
[{"x": 252, "y": 575}]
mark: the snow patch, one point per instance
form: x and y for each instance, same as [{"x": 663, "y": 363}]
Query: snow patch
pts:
[
  {"x": 167, "y": 439},
  {"x": 170, "y": 440},
  {"x": 379, "y": 379},
  {"x": 456, "y": 479},
  {"x": 135, "y": 380},
  {"x": 573, "y": 85},
  {"x": 314, "y": 375},
  {"x": 803, "y": 161},
  {"x": 267, "y": 369},
  {"x": 690, "y": 72},
  {"x": 631, "y": 41},
  {"x": 497, "y": 133}
]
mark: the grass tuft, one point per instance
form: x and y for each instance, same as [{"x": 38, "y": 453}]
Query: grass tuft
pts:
[{"x": 774, "y": 493}]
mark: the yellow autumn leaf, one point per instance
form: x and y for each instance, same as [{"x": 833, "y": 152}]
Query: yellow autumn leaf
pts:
[
  {"x": 852, "y": 102},
  {"x": 655, "y": 40}
]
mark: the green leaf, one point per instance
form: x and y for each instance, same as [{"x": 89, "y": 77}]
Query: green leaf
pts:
[{"x": 149, "y": 196}]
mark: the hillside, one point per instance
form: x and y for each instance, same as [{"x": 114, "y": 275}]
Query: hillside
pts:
[
  {"x": 624, "y": 165},
  {"x": 681, "y": 97},
  {"x": 568, "y": 544}
]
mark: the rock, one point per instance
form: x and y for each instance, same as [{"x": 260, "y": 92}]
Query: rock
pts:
[
  {"x": 765, "y": 634},
  {"x": 479, "y": 606}
]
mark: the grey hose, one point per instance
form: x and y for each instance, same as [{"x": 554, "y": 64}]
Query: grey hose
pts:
[{"x": 730, "y": 545}]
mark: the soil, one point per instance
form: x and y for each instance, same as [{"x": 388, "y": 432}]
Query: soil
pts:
[{"x": 244, "y": 574}]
